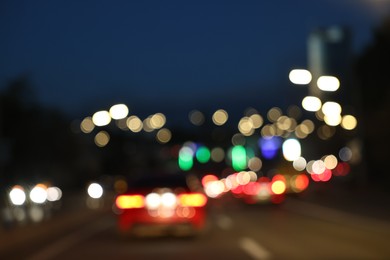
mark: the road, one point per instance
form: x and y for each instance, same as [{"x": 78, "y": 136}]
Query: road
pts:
[{"x": 296, "y": 229}]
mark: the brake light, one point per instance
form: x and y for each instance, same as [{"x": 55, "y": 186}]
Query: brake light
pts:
[
  {"x": 192, "y": 200},
  {"x": 130, "y": 201}
]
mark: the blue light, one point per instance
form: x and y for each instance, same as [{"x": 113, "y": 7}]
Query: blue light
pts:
[{"x": 270, "y": 146}]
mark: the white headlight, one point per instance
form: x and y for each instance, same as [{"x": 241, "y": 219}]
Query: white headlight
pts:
[
  {"x": 95, "y": 190},
  {"x": 153, "y": 200},
  {"x": 168, "y": 199},
  {"x": 17, "y": 195}
]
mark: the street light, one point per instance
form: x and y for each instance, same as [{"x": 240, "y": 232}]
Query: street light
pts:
[
  {"x": 101, "y": 118},
  {"x": 119, "y": 111},
  {"x": 300, "y": 76}
]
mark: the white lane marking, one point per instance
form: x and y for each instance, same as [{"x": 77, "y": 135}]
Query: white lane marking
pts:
[
  {"x": 56, "y": 248},
  {"x": 254, "y": 249},
  {"x": 224, "y": 222}
]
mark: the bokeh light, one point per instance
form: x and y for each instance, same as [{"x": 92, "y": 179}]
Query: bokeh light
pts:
[
  {"x": 278, "y": 187},
  {"x": 300, "y": 76},
  {"x": 299, "y": 182},
  {"x": 269, "y": 146},
  {"x": 95, "y": 190},
  {"x": 54, "y": 194},
  {"x": 203, "y": 154},
  {"x": 239, "y": 161},
  {"x": 147, "y": 125},
  {"x": 38, "y": 194},
  {"x": 257, "y": 120},
  {"x": 185, "y": 159},
  {"x": 217, "y": 154},
  {"x": 311, "y": 103},
  {"x": 101, "y": 118},
  {"x": 135, "y": 124},
  {"x": 164, "y": 135},
  {"x": 102, "y": 139},
  {"x": 345, "y": 154},
  {"x": 220, "y": 117},
  {"x": 119, "y": 111},
  {"x": 330, "y": 162},
  {"x": 331, "y": 108},
  {"x": 291, "y": 149},
  {"x": 87, "y": 125},
  {"x": 325, "y": 132},
  {"x": 255, "y": 164},
  {"x": 273, "y": 114},
  {"x": 328, "y": 83},
  {"x": 196, "y": 117},
  {"x": 349, "y": 122},
  {"x": 17, "y": 195},
  {"x": 299, "y": 164},
  {"x": 157, "y": 121},
  {"x": 245, "y": 126}
]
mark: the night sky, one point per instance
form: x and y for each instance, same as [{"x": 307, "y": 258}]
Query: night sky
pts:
[{"x": 165, "y": 56}]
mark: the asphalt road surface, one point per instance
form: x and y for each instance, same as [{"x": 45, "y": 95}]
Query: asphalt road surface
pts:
[{"x": 296, "y": 229}]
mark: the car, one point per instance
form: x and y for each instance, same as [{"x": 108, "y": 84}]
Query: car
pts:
[
  {"x": 262, "y": 191},
  {"x": 162, "y": 205}
]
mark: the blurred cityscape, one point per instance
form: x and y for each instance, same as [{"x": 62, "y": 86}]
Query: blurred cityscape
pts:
[{"x": 334, "y": 133}]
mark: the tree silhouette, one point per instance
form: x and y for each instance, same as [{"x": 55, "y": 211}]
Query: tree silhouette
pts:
[{"x": 37, "y": 142}]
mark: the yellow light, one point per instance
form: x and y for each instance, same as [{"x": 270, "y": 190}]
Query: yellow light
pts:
[
  {"x": 278, "y": 187},
  {"x": 330, "y": 162},
  {"x": 102, "y": 138},
  {"x": 164, "y": 135},
  {"x": 332, "y": 120},
  {"x": 273, "y": 114},
  {"x": 157, "y": 121},
  {"x": 134, "y": 124},
  {"x": 245, "y": 126},
  {"x": 268, "y": 130},
  {"x": 300, "y": 76},
  {"x": 147, "y": 126},
  {"x": 285, "y": 123},
  {"x": 220, "y": 117},
  {"x": 130, "y": 201},
  {"x": 301, "y": 131},
  {"x": 349, "y": 122},
  {"x": 192, "y": 200},
  {"x": 309, "y": 124},
  {"x": 257, "y": 120},
  {"x": 87, "y": 125},
  {"x": 328, "y": 83}
]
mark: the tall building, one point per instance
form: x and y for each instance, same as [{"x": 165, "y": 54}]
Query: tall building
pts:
[{"x": 329, "y": 54}]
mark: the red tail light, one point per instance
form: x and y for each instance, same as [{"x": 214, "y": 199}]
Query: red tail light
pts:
[
  {"x": 192, "y": 200},
  {"x": 130, "y": 201}
]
